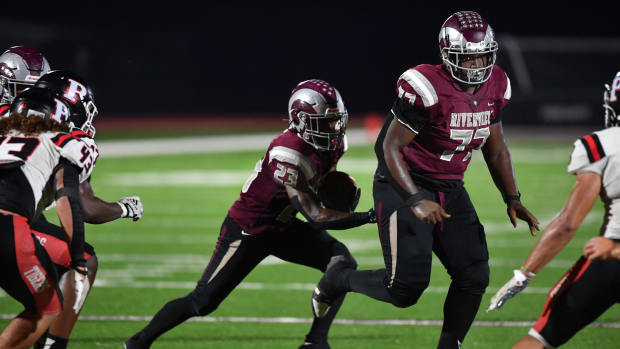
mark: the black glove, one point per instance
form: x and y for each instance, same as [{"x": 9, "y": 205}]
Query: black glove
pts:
[{"x": 372, "y": 216}]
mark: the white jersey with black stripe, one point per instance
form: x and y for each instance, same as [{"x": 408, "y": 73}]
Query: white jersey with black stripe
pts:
[
  {"x": 39, "y": 155},
  {"x": 599, "y": 152}
]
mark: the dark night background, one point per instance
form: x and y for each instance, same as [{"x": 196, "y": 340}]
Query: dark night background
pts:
[{"x": 207, "y": 61}]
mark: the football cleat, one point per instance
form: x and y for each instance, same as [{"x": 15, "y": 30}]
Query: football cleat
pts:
[
  {"x": 134, "y": 343},
  {"x": 330, "y": 286},
  {"x": 313, "y": 345}
]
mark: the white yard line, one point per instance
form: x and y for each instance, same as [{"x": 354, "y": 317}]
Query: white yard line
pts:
[
  {"x": 296, "y": 320},
  {"x": 227, "y": 143},
  {"x": 260, "y": 286}
]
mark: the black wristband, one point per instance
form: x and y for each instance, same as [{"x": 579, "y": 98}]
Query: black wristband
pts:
[
  {"x": 415, "y": 198},
  {"x": 509, "y": 198}
]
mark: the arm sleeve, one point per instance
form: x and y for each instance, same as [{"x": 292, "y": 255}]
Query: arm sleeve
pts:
[
  {"x": 71, "y": 191},
  {"x": 409, "y": 115},
  {"x": 354, "y": 220}
]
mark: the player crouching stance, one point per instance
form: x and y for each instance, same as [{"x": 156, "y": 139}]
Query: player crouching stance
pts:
[
  {"x": 35, "y": 171},
  {"x": 262, "y": 221},
  {"x": 591, "y": 286}
]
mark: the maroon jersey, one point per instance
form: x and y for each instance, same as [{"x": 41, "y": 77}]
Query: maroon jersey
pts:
[
  {"x": 449, "y": 123},
  {"x": 264, "y": 204}
]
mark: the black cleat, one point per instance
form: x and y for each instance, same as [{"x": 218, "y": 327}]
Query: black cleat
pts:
[
  {"x": 330, "y": 286},
  {"x": 134, "y": 342},
  {"x": 313, "y": 345}
]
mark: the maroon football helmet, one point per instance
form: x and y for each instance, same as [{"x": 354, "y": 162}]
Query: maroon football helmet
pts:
[
  {"x": 20, "y": 67},
  {"x": 463, "y": 36},
  {"x": 317, "y": 114},
  {"x": 611, "y": 102}
]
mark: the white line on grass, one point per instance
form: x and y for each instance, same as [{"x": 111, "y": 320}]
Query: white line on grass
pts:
[
  {"x": 295, "y": 320},
  {"x": 228, "y": 143},
  {"x": 225, "y": 178},
  {"x": 260, "y": 286}
]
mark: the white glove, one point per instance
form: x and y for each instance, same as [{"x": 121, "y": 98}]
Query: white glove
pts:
[
  {"x": 81, "y": 289},
  {"x": 132, "y": 207},
  {"x": 515, "y": 285}
]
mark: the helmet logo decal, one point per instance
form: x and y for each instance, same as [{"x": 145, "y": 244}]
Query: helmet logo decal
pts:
[
  {"x": 73, "y": 90},
  {"x": 61, "y": 113},
  {"x": 615, "y": 88},
  {"x": 470, "y": 20},
  {"x": 6, "y": 71}
]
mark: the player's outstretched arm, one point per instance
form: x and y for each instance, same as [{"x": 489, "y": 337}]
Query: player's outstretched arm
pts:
[
  {"x": 97, "y": 211},
  {"x": 498, "y": 160},
  {"x": 325, "y": 218},
  {"x": 396, "y": 138},
  {"x": 71, "y": 219},
  {"x": 557, "y": 234}
]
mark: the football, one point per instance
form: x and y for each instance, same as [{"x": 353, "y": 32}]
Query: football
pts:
[{"x": 338, "y": 191}]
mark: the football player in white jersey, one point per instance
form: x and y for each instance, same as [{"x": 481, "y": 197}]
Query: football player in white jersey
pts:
[
  {"x": 35, "y": 170},
  {"x": 601, "y": 247},
  {"x": 591, "y": 286},
  {"x": 75, "y": 92}
]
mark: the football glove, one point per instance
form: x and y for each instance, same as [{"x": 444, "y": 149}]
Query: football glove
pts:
[
  {"x": 80, "y": 278},
  {"x": 515, "y": 285},
  {"x": 372, "y": 216},
  {"x": 132, "y": 207}
]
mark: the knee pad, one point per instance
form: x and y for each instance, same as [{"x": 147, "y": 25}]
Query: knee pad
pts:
[
  {"x": 473, "y": 279},
  {"x": 201, "y": 302},
  {"x": 92, "y": 264},
  {"x": 203, "y": 307},
  {"x": 340, "y": 249},
  {"x": 405, "y": 297},
  {"x": 352, "y": 262}
]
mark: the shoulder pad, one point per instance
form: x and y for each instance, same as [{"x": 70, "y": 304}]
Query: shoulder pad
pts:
[
  {"x": 293, "y": 157},
  {"x": 586, "y": 150},
  {"x": 413, "y": 83},
  {"x": 78, "y": 152}
]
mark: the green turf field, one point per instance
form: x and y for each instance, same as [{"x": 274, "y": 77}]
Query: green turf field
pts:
[{"x": 147, "y": 263}]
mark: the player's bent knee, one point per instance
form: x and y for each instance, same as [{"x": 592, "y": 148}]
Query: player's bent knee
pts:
[
  {"x": 202, "y": 304},
  {"x": 474, "y": 279},
  {"x": 352, "y": 262},
  {"x": 404, "y": 298},
  {"x": 92, "y": 264}
]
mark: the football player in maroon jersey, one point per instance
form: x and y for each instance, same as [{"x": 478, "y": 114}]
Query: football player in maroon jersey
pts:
[
  {"x": 262, "y": 221},
  {"x": 592, "y": 285},
  {"x": 20, "y": 68},
  {"x": 442, "y": 113}
]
